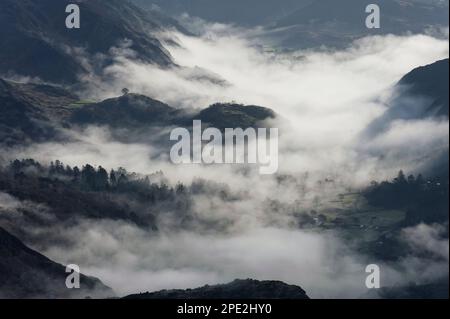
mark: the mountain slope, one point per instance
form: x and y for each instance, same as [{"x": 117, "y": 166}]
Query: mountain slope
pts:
[
  {"x": 35, "y": 42},
  {"x": 36, "y": 113},
  {"x": 235, "y": 115},
  {"x": 30, "y": 112},
  {"x": 422, "y": 93},
  {"x": 24, "y": 273},
  {"x": 397, "y": 16},
  {"x": 238, "y": 289},
  {"x": 337, "y": 23},
  {"x": 127, "y": 111},
  {"x": 134, "y": 111},
  {"x": 241, "y": 12},
  {"x": 431, "y": 81},
  {"x": 294, "y": 24}
]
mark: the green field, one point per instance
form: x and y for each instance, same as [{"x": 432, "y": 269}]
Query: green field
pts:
[
  {"x": 81, "y": 103},
  {"x": 359, "y": 222}
]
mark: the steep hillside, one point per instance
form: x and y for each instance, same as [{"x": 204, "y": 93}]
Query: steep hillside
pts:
[
  {"x": 24, "y": 273},
  {"x": 35, "y": 42},
  {"x": 430, "y": 81},
  {"x": 420, "y": 94},
  {"x": 127, "y": 111},
  {"x": 31, "y": 112}
]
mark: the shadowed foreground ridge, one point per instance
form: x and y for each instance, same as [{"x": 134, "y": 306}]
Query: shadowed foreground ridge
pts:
[
  {"x": 238, "y": 289},
  {"x": 25, "y": 273}
]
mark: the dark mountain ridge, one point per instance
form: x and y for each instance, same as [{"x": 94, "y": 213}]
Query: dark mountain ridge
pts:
[
  {"x": 430, "y": 81},
  {"x": 238, "y": 289},
  {"x": 25, "y": 273},
  {"x": 135, "y": 110},
  {"x": 35, "y": 113},
  {"x": 420, "y": 94}
]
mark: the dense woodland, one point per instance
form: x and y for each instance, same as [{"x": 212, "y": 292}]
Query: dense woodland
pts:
[
  {"x": 424, "y": 200},
  {"x": 92, "y": 192}
]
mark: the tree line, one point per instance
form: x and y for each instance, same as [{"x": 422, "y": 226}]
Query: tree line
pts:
[{"x": 98, "y": 179}]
